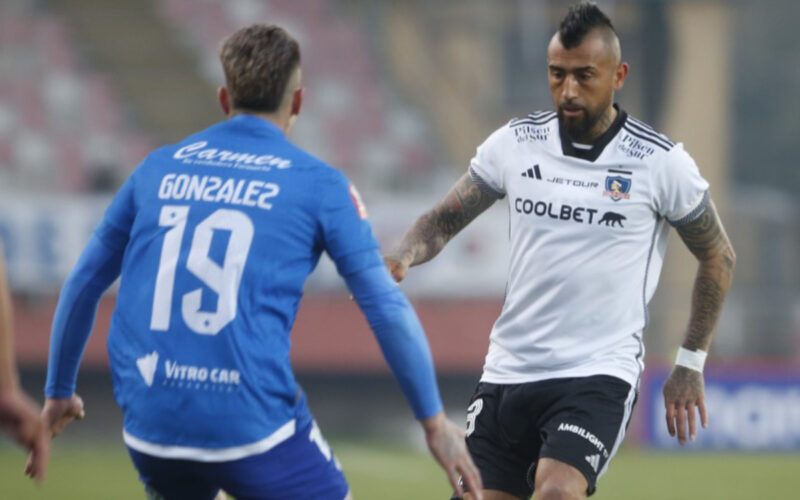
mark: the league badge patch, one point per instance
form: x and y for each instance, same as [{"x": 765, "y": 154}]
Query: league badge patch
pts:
[
  {"x": 617, "y": 187},
  {"x": 356, "y": 197}
]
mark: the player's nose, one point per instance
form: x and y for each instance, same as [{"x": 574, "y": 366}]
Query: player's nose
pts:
[{"x": 570, "y": 89}]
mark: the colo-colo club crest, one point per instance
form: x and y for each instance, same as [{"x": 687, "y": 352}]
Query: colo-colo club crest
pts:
[{"x": 617, "y": 187}]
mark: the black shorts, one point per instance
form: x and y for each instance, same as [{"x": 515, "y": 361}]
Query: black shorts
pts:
[{"x": 578, "y": 421}]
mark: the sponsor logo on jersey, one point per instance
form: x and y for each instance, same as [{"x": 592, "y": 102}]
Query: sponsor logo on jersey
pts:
[
  {"x": 635, "y": 148},
  {"x": 580, "y": 431},
  {"x": 147, "y": 367},
  {"x": 358, "y": 202},
  {"x": 573, "y": 182},
  {"x": 617, "y": 187},
  {"x": 582, "y": 215},
  {"x": 529, "y": 133},
  {"x": 612, "y": 219},
  {"x": 200, "y": 377},
  {"x": 198, "y": 153},
  {"x": 594, "y": 461},
  {"x": 533, "y": 173}
]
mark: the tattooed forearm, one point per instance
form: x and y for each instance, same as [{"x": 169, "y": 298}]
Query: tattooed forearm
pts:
[
  {"x": 431, "y": 232},
  {"x": 706, "y": 239},
  {"x": 707, "y": 299}
]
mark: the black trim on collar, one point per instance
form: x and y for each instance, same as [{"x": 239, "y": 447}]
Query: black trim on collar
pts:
[{"x": 599, "y": 145}]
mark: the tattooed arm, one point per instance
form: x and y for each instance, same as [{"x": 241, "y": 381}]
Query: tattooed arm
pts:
[
  {"x": 433, "y": 229},
  {"x": 685, "y": 388}
]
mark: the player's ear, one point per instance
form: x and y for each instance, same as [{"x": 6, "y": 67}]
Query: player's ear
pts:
[
  {"x": 297, "y": 100},
  {"x": 224, "y": 100},
  {"x": 619, "y": 75}
]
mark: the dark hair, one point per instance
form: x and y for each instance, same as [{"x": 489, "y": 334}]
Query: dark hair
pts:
[
  {"x": 580, "y": 20},
  {"x": 258, "y": 61}
]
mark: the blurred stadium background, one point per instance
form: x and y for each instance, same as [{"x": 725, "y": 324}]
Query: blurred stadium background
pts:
[{"x": 399, "y": 94}]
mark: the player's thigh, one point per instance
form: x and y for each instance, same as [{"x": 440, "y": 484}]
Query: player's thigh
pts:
[
  {"x": 303, "y": 466},
  {"x": 555, "y": 479},
  {"x": 503, "y": 460},
  {"x": 587, "y": 425},
  {"x": 167, "y": 479}
]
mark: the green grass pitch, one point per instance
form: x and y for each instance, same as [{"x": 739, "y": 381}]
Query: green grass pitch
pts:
[{"x": 389, "y": 472}]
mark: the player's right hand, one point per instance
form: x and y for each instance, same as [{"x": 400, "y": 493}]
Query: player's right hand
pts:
[
  {"x": 58, "y": 412},
  {"x": 397, "y": 267},
  {"x": 19, "y": 418},
  {"x": 446, "y": 442}
]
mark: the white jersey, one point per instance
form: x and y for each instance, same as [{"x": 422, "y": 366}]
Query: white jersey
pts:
[{"x": 588, "y": 228}]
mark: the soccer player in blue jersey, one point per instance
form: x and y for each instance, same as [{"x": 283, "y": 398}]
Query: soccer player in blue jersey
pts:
[{"x": 214, "y": 238}]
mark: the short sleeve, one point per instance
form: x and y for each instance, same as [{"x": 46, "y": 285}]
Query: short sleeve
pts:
[
  {"x": 485, "y": 169},
  {"x": 681, "y": 193},
  {"x": 347, "y": 234},
  {"x": 114, "y": 230}
]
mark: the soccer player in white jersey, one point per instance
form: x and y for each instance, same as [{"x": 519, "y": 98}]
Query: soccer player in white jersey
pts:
[{"x": 591, "y": 193}]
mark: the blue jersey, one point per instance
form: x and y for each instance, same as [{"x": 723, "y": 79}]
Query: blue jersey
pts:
[{"x": 214, "y": 238}]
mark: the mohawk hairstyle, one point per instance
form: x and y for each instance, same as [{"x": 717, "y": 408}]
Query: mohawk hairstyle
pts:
[{"x": 580, "y": 20}]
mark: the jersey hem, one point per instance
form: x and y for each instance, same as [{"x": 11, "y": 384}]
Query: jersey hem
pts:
[
  {"x": 283, "y": 433},
  {"x": 630, "y": 378}
]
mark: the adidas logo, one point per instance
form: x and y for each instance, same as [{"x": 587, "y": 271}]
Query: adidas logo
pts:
[
  {"x": 594, "y": 461},
  {"x": 147, "y": 367},
  {"x": 533, "y": 173}
]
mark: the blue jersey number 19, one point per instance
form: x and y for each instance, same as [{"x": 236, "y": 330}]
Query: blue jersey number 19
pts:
[{"x": 224, "y": 280}]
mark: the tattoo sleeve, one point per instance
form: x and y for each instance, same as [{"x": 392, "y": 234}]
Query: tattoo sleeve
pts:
[
  {"x": 706, "y": 239},
  {"x": 433, "y": 229}
]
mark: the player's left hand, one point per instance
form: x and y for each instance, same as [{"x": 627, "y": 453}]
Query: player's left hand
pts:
[
  {"x": 446, "y": 443},
  {"x": 19, "y": 418},
  {"x": 684, "y": 391}
]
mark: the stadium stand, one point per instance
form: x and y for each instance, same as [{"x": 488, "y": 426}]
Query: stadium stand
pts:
[
  {"x": 349, "y": 119},
  {"x": 54, "y": 112}
]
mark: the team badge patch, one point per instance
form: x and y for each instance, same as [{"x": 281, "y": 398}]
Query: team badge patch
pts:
[
  {"x": 617, "y": 187},
  {"x": 358, "y": 202}
]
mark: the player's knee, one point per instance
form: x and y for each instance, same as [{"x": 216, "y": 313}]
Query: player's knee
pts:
[{"x": 554, "y": 489}]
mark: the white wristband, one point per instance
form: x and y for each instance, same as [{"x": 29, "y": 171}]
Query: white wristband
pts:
[{"x": 691, "y": 359}]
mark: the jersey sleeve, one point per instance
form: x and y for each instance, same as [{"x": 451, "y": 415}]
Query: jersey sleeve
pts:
[
  {"x": 485, "y": 169},
  {"x": 400, "y": 336},
  {"x": 346, "y": 232},
  {"x": 681, "y": 193},
  {"x": 97, "y": 268},
  {"x": 349, "y": 241},
  {"x": 114, "y": 230}
]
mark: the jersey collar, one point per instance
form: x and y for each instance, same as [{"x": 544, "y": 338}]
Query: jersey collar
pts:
[
  {"x": 256, "y": 125},
  {"x": 599, "y": 145}
]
